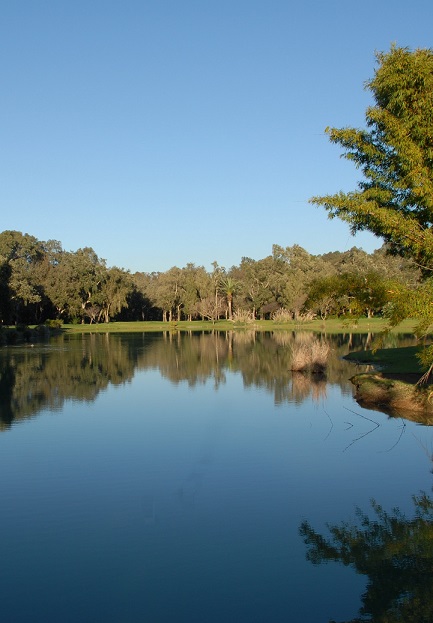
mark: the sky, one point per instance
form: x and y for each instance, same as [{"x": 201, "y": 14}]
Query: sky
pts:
[{"x": 162, "y": 132}]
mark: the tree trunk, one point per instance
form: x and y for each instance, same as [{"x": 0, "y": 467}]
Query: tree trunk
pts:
[{"x": 229, "y": 303}]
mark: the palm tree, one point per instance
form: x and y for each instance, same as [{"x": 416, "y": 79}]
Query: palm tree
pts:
[{"x": 229, "y": 286}]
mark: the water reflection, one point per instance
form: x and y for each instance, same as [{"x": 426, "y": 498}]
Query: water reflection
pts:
[
  {"x": 167, "y": 499},
  {"x": 78, "y": 367},
  {"x": 394, "y": 551},
  {"x": 32, "y": 379}
]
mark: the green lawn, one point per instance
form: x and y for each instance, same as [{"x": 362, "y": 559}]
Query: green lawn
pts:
[
  {"x": 363, "y": 325},
  {"x": 391, "y": 360}
]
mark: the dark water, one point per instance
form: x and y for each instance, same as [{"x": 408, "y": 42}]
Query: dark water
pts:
[{"x": 192, "y": 478}]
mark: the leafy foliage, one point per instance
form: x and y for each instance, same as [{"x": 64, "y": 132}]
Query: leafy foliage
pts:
[
  {"x": 39, "y": 280},
  {"x": 395, "y": 154}
]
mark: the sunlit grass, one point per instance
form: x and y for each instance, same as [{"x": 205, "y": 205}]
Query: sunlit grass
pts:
[
  {"x": 391, "y": 360},
  {"x": 362, "y": 325}
]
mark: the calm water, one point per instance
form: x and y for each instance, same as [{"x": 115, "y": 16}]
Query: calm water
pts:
[{"x": 164, "y": 478}]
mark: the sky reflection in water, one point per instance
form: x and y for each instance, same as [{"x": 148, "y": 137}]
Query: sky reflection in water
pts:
[{"x": 168, "y": 479}]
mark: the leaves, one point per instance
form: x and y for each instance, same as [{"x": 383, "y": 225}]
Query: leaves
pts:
[{"x": 394, "y": 200}]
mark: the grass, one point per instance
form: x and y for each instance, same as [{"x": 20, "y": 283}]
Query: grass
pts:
[
  {"x": 391, "y": 360},
  {"x": 333, "y": 325},
  {"x": 311, "y": 355}
]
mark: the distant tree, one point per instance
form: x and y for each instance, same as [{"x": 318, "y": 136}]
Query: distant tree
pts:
[
  {"x": 20, "y": 256},
  {"x": 74, "y": 283},
  {"x": 251, "y": 285},
  {"x": 5, "y": 292},
  {"x": 195, "y": 286},
  {"x": 357, "y": 294},
  {"x": 116, "y": 285},
  {"x": 165, "y": 292},
  {"x": 210, "y": 308},
  {"x": 297, "y": 269},
  {"x": 140, "y": 306},
  {"x": 356, "y": 260},
  {"x": 228, "y": 286},
  {"x": 323, "y": 296}
]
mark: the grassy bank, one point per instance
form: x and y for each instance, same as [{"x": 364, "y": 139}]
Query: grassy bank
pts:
[
  {"x": 363, "y": 325},
  {"x": 391, "y": 360}
]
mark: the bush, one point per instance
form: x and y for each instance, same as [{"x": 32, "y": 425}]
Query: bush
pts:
[
  {"x": 243, "y": 316},
  {"x": 310, "y": 356},
  {"x": 282, "y": 315},
  {"x": 308, "y": 316},
  {"x": 55, "y": 323}
]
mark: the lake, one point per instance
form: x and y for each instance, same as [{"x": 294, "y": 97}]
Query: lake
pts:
[{"x": 193, "y": 477}]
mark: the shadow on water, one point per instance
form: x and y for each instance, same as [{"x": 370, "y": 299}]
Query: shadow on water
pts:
[{"x": 78, "y": 367}]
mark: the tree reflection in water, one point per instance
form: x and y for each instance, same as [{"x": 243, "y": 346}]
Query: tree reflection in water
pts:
[
  {"x": 78, "y": 367},
  {"x": 395, "y": 553}
]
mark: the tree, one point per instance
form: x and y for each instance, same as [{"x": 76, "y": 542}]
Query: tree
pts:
[
  {"x": 164, "y": 291},
  {"x": 323, "y": 296},
  {"x": 115, "y": 288},
  {"x": 195, "y": 286},
  {"x": 20, "y": 256},
  {"x": 395, "y": 154},
  {"x": 139, "y": 305},
  {"x": 74, "y": 284},
  {"x": 297, "y": 269},
  {"x": 5, "y": 292},
  {"x": 228, "y": 287}
]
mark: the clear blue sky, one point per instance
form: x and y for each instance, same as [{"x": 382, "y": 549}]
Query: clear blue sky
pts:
[{"x": 161, "y": 132}]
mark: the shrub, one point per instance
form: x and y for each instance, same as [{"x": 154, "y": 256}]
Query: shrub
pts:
[
  {"x": 310, "y": 356},
  {"x": 243, "y": 315},
  {"x": 55, "y": 323},
  {"x": 305, "y": 317},
  {"x": 282, "y": 315}
]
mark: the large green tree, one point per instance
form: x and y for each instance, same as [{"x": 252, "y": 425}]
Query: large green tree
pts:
[
  {"x": 115, "y": 287},
  {"x": 394, "y": 200},
  {"x": 21, "y": 257}
]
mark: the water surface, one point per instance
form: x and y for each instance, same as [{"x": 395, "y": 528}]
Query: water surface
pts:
[{"x": 162, "y": 477}]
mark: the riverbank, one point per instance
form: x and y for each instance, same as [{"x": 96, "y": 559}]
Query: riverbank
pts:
[
  {"x": 402, "y": 361},
  {"x": 332, "y": 326},
  {"x": 394, "y": 388}
]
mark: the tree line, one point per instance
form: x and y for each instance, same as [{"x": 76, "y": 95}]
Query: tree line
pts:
[
  {"x": 393, "y": 200},
  {"x": 36, "y": 380},
  {"x": 40, "y": 281}
]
